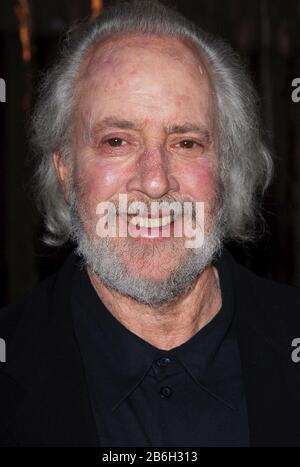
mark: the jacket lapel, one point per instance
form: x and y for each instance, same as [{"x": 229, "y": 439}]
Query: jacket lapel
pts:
[
  {"x": 53, "y": 405},
  {"x": 271, "y": 380}
]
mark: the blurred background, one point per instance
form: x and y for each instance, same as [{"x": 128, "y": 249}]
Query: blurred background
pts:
[{"x": 264, "y": 32}]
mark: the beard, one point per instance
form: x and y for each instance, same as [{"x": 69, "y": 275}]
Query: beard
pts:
[{"x": 111, "y": 260}]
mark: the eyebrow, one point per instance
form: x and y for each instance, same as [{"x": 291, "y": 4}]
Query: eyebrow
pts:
[
  {"x": 116, "y": 122},
  {"x": 173, "y": 129}
]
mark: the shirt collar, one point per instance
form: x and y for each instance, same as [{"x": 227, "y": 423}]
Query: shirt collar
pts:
[{"x": 125, "y": 358}]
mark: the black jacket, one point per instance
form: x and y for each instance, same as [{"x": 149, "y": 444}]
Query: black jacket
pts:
[{"x": 43, "y": 391}]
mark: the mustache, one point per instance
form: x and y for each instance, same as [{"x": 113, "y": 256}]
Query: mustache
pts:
[{"x": 157, "y": 205}]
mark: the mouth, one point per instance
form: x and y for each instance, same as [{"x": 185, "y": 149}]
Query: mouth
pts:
[
  {"x": 152, "y": 223},
  {"x": 148, "y": 229}
]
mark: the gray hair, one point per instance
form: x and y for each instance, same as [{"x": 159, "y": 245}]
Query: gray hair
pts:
[{"x": 245, "y": 162}]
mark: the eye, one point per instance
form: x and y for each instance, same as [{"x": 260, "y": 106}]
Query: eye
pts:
[
  {"x": 115, "y": 142},
  {"x": 188, "y": 144}
]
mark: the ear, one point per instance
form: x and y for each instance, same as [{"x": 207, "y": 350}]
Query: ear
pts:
[{"x": 62, "y": 171}]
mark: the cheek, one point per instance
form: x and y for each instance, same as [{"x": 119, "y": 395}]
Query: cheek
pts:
[
  {"x": 99, "y": 181},
  {"x": 199, "y": 181}
]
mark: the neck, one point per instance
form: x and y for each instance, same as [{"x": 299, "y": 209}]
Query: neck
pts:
[{"x": 171, "y": 325}]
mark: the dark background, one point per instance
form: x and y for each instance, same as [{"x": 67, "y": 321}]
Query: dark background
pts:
[{"x": 265, "y": 33}]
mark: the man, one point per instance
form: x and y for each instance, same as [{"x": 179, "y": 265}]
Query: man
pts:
[{"x": 145, "y": 338}]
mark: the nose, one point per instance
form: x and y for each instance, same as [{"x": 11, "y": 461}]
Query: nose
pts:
[{"x": 153, "y": 176}]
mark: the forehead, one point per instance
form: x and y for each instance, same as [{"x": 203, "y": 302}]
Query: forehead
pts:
[
  {"x": 117, "y": 49},
  {"x": 118, "y": 52},
  {"x": 146, "y": 71}
]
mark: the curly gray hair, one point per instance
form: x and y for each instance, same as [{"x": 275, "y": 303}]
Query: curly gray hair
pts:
[{"x": 245, "y": 162}]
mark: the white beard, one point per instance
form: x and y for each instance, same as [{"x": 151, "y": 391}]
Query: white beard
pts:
[{"x": 107, "y": 265}]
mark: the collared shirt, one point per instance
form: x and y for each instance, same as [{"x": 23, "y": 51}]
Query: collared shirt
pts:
[{"x": 191, "y": 395}]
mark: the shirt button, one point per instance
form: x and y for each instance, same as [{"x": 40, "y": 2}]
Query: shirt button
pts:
[
  {"x": 163, "y": 361},
  {"x": 166, "y": 391}
]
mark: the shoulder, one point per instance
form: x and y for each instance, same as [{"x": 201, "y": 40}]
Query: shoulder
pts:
[
  {"x": 12, "y": 315},
  {"x": 35, "y": 331},
  {"x": 269, "y": 306},
  {"x": 19, "y": 324},
  {"x": 269, "y": 292},
  {"x": 33, "y": 310}
]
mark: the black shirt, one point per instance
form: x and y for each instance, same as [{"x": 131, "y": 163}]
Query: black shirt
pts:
[{"x": 192, "y": 395}]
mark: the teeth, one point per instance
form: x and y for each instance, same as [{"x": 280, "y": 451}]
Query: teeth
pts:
[{"x": 151, "y": 223}]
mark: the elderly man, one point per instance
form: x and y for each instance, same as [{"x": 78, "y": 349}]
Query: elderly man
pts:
[{"x": 149, "y": 157}]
